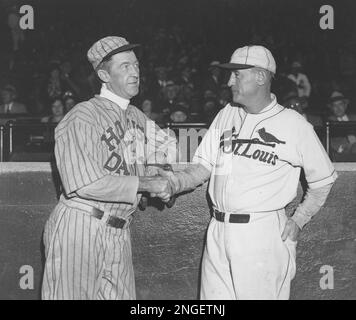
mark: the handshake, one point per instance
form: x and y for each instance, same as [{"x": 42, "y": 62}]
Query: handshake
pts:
[{"x": 163, "y": 185}]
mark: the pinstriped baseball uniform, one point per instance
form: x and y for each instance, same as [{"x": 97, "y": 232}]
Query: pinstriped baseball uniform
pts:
[
  {"x": 85, "y": 258},
  {"x": 255, "y": 162}
]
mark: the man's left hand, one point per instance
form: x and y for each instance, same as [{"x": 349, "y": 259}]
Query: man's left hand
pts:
[{"x": 291, "y": 231}]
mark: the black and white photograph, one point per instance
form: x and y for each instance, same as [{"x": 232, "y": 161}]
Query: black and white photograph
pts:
[{"x": 177, "y": 151}]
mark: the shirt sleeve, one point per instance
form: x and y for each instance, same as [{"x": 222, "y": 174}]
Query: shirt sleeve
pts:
[
  {"x": 319, "y": 171},
  {"x": 207, "y": 151}
]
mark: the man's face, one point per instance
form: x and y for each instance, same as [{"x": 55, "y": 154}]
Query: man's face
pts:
[
  {"x": 7, "y": 96},
  {"x": 243, "y": 85},
  {"x": 215, "y": 72},
  {"x": 338, "y": 108},
  {"x": 178, "y": 116},
  {"x": 124, "y": 74},
  {"x": 57, "y": 108},
  {"x": 69, "y": 103},
  {"x": 171, "y": 93}
]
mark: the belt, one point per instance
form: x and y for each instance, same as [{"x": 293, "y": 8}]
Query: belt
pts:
[
  {"x": 233, "y": 218},
  {"x": 115, "y": 222},
  {"x": 111, "y": 221}
]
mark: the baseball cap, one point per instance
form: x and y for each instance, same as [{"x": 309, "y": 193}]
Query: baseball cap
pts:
[
  {"x": 336, "y": 96},
  {"x": 249, "y": 57},
  {"x": 296, "y": 64},
  {"x": 214, "y": 64},
  {"x": 9, "y": 88},
  {"x": 106, "y": 47}
]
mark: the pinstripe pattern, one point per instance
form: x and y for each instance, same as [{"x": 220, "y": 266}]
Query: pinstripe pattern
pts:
[
  {"x": 81, "y": 154},
  {"x": 86, "y": 259}
]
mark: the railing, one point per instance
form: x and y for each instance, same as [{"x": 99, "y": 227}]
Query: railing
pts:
[
  {"x": 340, "y": 130},
  {"x": 38, "y": 137},
  {"x": 2, "y": 132},
  {"x": 26, "y": 141}
]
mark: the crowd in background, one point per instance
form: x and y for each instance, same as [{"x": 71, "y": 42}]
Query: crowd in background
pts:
[{"x": 45, "y": 71}]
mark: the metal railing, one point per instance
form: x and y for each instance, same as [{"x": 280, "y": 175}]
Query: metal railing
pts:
[
  {"x": 2, "y": 132},
  {"x": 25, "y": 135},
  {"x": 44, "y": 133}
]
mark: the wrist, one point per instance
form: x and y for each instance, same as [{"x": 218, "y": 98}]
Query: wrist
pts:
[
  {"x": 300, "y": 220},
  {"x": 144, "y": 184}
]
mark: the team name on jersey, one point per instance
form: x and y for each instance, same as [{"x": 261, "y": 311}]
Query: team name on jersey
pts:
[
  {"x": 116, "y": 136},
  {"x": 231, "y": 143}
]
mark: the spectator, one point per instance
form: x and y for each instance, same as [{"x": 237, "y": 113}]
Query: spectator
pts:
[
  {"x": 341, "y": 143},
  {"x": 301, "y": 106},
  {"x": 210, "y": 110},
  {"x": 57, "y": 108},
  {"x": 17, "y": 33},
  {"x": 179, "y": 114},
  {"x": 54, "y": 86},
  {"x": 147, "y": 108},
  {"x": 170, "y": 94},
  {"x": 68, "y": 84},
  {"x": 301, "y": 80},
  {"x": 224, "y": 96},
  {"x": 10, "y": 105},
  {"x": 214, "y": 81},
  {"x": 69, "y": 102},
  {"x": 158, "y": 82}
]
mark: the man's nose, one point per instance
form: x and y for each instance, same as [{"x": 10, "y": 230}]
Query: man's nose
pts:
[
  {"x": 134, "y": 71},
  {"x": 231, "y": 81}
]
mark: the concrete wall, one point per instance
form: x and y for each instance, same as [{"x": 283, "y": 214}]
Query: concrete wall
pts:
[{"x": 168, "y": 244}]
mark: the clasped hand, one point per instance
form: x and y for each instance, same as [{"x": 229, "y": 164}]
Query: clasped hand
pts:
[{"x": 166, "y": 185}]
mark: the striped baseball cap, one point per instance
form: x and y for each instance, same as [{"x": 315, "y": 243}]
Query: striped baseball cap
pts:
[
  {"x": 106, "y": 47},
  {"x": 249, "y": 57}
]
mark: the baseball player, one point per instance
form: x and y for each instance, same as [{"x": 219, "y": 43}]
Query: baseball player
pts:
[
  {"x": 101, "y": 148},
  {"x": 253, "y": 153}
]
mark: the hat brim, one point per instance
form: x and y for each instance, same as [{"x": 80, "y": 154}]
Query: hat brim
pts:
[
  {"x": 126, "y": 47},
  {"x": 234, "y": 66},
  {"x": 335, "y": 99}
]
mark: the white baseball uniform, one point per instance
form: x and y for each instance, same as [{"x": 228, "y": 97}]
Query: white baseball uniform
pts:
[{"x": 255, "y": 162}]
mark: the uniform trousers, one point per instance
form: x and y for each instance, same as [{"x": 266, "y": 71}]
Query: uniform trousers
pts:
[
  {"x": 85, "y": 258},
  {"x": 248, "y": 261}
]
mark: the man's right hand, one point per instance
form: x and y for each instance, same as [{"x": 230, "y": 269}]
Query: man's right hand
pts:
[{"x": 155, "y": 185}]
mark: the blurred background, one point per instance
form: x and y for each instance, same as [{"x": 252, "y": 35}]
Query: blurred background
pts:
[{"x": 44, "y": 72}]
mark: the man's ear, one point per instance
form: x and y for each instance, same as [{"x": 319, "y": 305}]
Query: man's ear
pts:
[
  {"x": 104, "y": 75},
  {"x": 261, "y": 77}
]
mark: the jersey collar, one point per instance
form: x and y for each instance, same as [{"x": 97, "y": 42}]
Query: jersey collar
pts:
[
  {"x": 263, "y": 111},
  {"x": 120, "y": 101}
]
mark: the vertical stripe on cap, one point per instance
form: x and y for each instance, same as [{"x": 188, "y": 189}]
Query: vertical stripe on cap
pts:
[
  {"x": 247, "y": 54},
  {"x": 267, "y": 57}
]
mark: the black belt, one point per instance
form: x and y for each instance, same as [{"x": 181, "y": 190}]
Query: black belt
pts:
[
  {"x": 114, "y": 222},
  {"x": 234, "y": 218}
]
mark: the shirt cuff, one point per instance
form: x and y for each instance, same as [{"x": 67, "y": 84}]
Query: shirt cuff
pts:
[
  {"x": 321, "y": 183},
  {"x": 300, "y": 219}
]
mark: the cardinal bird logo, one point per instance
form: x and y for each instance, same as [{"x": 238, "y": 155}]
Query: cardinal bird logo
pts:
[{"x": 268, "y": 137}]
